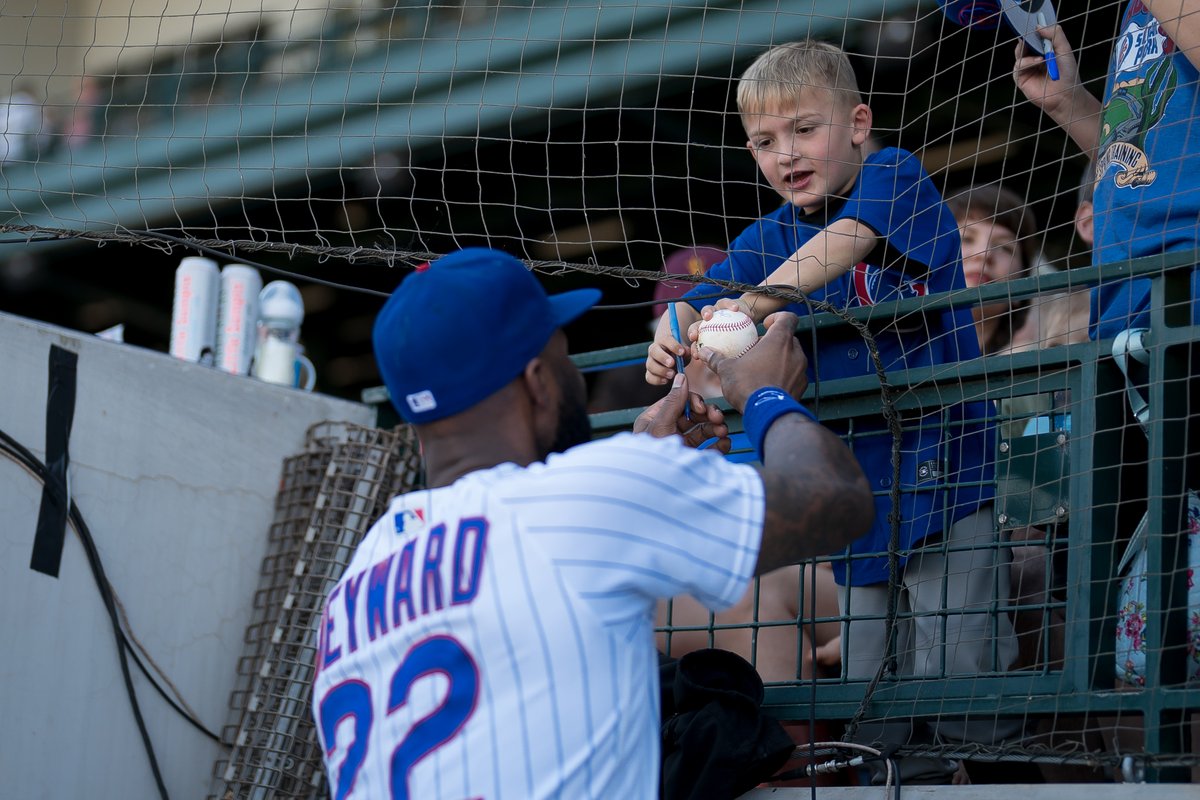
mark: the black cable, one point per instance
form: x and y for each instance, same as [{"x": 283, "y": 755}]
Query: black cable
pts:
[
  {"x": 229, "y": 249},
  {"x": 38, "y": 233},
  {"x": 647, "y": 303},
  {"x": 32, "y": 239},
  {"x": 31, "y": 462},
  {"x": 27, "y": 459},
  {"x": 212, "y": 251}
]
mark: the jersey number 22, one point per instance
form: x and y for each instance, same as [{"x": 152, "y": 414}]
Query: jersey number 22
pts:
[{"x": 352, "y": 699}]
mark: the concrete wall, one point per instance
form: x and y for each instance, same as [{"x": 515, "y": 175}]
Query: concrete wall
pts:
[{"x": 174, "y": 467}]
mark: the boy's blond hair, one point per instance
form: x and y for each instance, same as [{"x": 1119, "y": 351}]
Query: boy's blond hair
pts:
[{"x": 779, "y": 74}]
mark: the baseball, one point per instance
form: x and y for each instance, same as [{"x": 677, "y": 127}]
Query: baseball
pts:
[{"x": 730, "y": 333}]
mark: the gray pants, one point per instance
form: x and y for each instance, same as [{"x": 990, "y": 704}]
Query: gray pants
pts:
[{"x": 970, "y": 639}]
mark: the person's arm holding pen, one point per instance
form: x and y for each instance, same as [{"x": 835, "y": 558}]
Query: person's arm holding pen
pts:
[{"x": 1066, "y": 100}]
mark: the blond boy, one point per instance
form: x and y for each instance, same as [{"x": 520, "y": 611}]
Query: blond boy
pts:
[{"x": 859, "y": 228}]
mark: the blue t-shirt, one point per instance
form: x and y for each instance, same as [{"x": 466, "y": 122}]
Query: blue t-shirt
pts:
[
  {"x": 918, "y": 254},
  {"x": 1147, "y": 195}
]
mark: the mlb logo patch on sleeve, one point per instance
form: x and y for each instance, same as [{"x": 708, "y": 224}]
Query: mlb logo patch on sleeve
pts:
[{"x": 410, "y": 519}]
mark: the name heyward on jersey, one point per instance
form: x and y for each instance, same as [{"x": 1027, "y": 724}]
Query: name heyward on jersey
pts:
[{"x": 409, "y": 583}]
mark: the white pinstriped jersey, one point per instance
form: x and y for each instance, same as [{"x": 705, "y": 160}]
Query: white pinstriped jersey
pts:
[{"x": 494, "y": 638}]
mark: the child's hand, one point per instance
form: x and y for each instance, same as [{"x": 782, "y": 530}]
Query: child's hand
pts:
[
  {"x": 727, "y": 303},
  {"x": 660, "y": 358}
]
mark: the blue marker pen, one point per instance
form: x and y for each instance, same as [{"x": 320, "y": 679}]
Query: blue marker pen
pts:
[
  {"x": 687, "y": 408},
  {"x": 1048, "y": 51}
]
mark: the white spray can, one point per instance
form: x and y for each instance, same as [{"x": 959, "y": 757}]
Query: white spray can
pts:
[
  {"x": 236, "y": 335},
  {"x": 194, "y": 311}
]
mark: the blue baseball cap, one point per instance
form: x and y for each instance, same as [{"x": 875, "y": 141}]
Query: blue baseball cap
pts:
[{"x": 459, "y": 330}]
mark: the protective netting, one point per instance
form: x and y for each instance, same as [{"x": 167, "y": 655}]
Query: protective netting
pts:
[
  {"x": 350, "y": 142},
  {"x": 565, "y": 130}
]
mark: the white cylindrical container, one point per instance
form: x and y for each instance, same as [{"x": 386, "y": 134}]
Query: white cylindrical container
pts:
[
  {"x": 194, "y": 311},
  {"x": 236, "y": 336},
  {"x": 276, "y": 360},
  {"x": 280, "y": 312}
]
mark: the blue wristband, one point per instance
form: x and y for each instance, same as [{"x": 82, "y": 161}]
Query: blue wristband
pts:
[{"x": 762, "y": 409}]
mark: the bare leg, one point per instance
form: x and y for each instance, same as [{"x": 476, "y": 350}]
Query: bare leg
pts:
[
  {"x": 780, "y": 652},
  {"x": 1039, "y": 634}
]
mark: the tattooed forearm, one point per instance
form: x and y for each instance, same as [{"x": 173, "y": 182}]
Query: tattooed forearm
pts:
[{"x": 817, "y": 498}]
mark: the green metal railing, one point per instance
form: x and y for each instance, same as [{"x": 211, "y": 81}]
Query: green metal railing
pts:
[{"x": 1091, "y": 454}]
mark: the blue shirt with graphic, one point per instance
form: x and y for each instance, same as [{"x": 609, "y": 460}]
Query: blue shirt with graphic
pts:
[
  {"x": 1147, "y": 195},
  {"x": 947, "y": 452}
]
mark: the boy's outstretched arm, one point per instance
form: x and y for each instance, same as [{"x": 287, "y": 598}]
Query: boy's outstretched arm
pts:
[{"x": 832, "y": 252}]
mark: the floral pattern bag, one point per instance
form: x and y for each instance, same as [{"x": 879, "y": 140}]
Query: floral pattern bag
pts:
[
  {"x": 1130, "y": 354},
  {"x": 1131, "y": 612}
]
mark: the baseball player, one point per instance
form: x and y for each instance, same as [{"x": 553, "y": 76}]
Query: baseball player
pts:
[{"x": 492, "y": 636}]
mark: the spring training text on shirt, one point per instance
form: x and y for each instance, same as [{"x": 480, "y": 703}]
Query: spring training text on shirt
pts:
[{"x": 393, "y": 595}]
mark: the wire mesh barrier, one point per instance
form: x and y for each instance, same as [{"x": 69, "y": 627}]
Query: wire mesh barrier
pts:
[
  {"x": 345, "y": 144},
  {"x": 365, "y": 125},
  {"x": 329, "y": 494}
]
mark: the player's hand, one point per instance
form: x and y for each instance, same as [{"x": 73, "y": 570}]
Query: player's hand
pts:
[
  {"x": 666, "y": 418},
  {"x": 777, "y": 360},
  {"x": 1056, "y": 98},
  {"x": 660, "y": 358}
]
